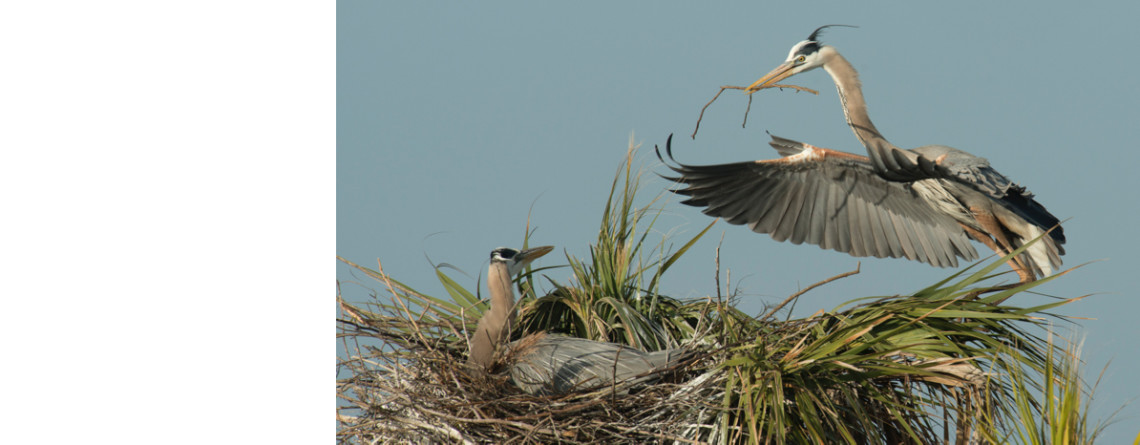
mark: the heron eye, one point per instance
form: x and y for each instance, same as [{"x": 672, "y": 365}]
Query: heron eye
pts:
[{"x": 801, "y": 59}]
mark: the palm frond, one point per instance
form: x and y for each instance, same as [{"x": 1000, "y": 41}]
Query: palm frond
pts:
[
  {"x": 950, "y": 363},
  {"x": 608, "y": 298}
]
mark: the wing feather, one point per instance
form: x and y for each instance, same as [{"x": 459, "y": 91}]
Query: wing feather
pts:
[{"x": 831, "y": 199}]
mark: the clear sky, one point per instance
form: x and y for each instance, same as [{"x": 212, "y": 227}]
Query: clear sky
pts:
[{"x": 457, "y": 120}]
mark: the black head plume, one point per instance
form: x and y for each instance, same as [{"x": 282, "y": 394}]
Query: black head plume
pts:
[
  {"x": 814, "y": 37},
  {"x": 504, "y": 253}
]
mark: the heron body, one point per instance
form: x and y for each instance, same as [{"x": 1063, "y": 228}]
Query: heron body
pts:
[
  {"x": 552, "y": 364},
  {"x": 921, "y": 204}
]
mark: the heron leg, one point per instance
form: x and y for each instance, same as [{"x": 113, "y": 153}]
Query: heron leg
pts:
[
  {"x": 1014, "y": 263},
  {"x": 1002, "y": 246}
]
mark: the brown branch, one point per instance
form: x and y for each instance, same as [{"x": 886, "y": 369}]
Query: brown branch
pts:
[
  {"x": 581, "y": 406},
  {"x": 747, "y": 109},
  {"x": 702, "y": 115},
  {"x": 716, "y": 277},
  {"x": 519, "y": 425},
  {"x": 613, "y": 377},
  {"x": 731, "y": 87},
  {"x": 446, "y": 430},
  {"x": 651, "y": 433},
  {"x": 806, "y": 289}
]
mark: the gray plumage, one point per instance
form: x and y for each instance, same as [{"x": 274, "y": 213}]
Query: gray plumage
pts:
[
  {"x": 827, "y": 198},
  {"x": 964, "y": 188},
  {"x": 551, "y": 364}
]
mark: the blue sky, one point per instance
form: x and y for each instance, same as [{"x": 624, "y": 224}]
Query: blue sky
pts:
[{"x": 455, "y": 121}]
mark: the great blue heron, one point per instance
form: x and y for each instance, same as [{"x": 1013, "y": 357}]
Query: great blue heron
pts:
[
  {"x": 920, "y": 204},
  {"x": 552, "y": 364}
]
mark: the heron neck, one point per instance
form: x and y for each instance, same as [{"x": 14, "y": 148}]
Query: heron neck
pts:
[
  {"x": 502, "y": 295},
  {"x": 851, "y": 95},
  {"x": 498, "y": 321}
]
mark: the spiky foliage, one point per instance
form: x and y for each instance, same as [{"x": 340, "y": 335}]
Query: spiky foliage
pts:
[
  {"x": 394, "y": 386},
  {"x": 406, "y": 381},
  {"x": 1060, "y": 416},
  {"x": 917, "y": 368},
  {"x": 613, "y": 296},
  {"x": 904, "y": 369}
]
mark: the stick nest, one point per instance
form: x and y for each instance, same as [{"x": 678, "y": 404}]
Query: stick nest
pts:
[
  {"x": 902, "y": 369},
  {"x": 409, "y": 384}
]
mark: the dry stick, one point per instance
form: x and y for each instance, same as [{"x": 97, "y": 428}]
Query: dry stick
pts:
[
  {"x": 397, "y": 299},
  {"x": 747, "y": 109},
  {"x": 408, "y": 315},
  {"x": 719, "y": 298},
  {"x": 659, "y": 435},
  {"x": 581, "y": 406},
  {"x": 445, "y": 430},
  {"x": 731, "y": 87},
  {"x": 613, "y": 376},
  {"x": 521, "y": 426},
  {"x": 806, "y": 289}
]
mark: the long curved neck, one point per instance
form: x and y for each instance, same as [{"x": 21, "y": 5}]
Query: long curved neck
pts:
[
  {"x": 502, "y": 294},
  {"x": 851, "y": 95},
  {"x": 496, "y": 325}
]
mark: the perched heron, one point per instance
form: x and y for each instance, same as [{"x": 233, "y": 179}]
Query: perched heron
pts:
[
  {"x": 922, "y": 204},
  {"x": 552, "y": 364}
]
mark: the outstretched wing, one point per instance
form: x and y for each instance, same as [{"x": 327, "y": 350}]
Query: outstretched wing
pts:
[{"x": 832, "y": 199}]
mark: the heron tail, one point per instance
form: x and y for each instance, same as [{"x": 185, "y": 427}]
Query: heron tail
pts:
[{"x": 786, "y": 147}]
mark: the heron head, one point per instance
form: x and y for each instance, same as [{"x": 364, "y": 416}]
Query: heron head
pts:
[
  {"x": 804, "y": 56},
  {"x": 517, "y": 260}
]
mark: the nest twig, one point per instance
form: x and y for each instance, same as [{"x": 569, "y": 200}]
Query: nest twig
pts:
[
  {"x": 405, "y": 379},
  {"x": 432, "y": 395},
  {"x": 411, "y": 387},
  {"x": 746, "y": 110}
]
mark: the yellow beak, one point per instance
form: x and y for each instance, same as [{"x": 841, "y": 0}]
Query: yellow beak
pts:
[
  {"x": 780, "y": 73},
  {"x": 535, "y": 253}
]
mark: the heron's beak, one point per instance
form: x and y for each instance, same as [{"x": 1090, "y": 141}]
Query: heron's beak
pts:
[
  {"x": 526, "y": 256},
  {"x": 780, "y": 73}
]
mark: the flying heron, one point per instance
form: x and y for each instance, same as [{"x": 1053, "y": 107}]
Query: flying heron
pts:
[
  {"x": 922, "y": 204},
  {"x": 552, "y": 364}
]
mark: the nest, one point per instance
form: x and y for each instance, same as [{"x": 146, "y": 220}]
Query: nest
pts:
[
  {"x": 404, "y": 389},
  {"x": 904, "y": 369}
]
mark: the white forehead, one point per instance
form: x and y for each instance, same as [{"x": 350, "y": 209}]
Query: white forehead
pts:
[{"x": 797, "y": 48}]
